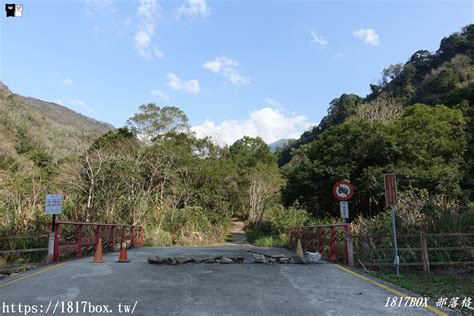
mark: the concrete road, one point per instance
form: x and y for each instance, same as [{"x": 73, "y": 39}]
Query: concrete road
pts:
[{"x": 198, "y": 289}]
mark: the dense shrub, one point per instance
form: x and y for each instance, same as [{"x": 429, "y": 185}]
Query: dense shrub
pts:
[
  {"x": 273, "y": 231},
  {"x": 418, "y": 211},
  {"x": 281, "y": 219}
]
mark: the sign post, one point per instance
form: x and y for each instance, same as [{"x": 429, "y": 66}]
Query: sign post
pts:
[
  {"x": 391, "y": 201},
  {"x": 343, "y": 191},
  {"x": 52, "y": 206}
]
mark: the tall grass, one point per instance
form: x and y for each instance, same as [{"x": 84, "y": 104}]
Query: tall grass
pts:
[
  {"x": 417, "y": 212},
  {"x": 273, "y": 231}
]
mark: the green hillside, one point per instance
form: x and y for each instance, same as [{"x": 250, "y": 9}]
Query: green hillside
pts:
[{"x": 30, "y": 128}]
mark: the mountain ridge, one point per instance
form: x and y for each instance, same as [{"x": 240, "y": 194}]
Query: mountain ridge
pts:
[
  {"x": 28, "y": 124},
  {"x": 281, "y": 143}
]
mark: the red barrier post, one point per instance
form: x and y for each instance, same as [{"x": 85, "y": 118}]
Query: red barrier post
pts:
[
  {"x": 56, "y": 244},
  {"x": 295, "y": 238},
  {"x": 290, "y": 240},
  {"x": 140, "y": 238},
  {"x": 332, "y": 245},
  {"x": 111, "y": 238},
  {"x": 320, "y": 240},
  {"x": 303, "y": 239},
  {"x": 133, "y": 236},
  {"x": 311, "y": 240},
  {"x": 79, "y": 241}
]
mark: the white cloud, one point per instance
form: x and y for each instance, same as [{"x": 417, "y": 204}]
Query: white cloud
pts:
[
  {"x": 75, "y": 103},
  {"x": 319, "y": 39},
  {"x": 273, "y": 103},
  {"x": 268, "y": 123},
  {"x": 226, "y": 67},
  {"x": 237, "y": 79},
  {"x": 147, "y": 9},
  {"x": 66, "y": 82},
  {"x": 368, "y": 36},
  {"x": 176, "y": 83},
  {"x": 221, "y": 63},
  {"x": 194, "y": 8},
  {"x": 99, "y": 8},
  {"x": 148, "y": 13},
  {"x": 142, "y": 39},
  {"x": 160, "y": 94},
  {"x": 157, "y": 52}
]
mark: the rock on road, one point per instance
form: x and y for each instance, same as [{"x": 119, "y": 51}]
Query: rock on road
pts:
[{"x": 203, "y": 289}]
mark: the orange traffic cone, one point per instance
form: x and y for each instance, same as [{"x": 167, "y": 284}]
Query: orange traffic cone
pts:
[
  {"x": 123, "y": 253},
  {"x": 98, "y": 253}
]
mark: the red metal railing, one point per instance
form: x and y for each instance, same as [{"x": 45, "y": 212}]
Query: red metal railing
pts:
[
  {"x": 108, "y": 232},
  {"x": 311, "y": 235}
]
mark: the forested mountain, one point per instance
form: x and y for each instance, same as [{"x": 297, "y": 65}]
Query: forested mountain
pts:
[
  {"x": 418, "y": 121},
  {"x": 443, "y": 77},
  {"x": 277, "y": 145},
  {"x": 38, "y": 130}
]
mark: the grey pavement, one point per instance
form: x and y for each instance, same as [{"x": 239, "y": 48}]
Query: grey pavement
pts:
[{"x": 203, "y": 289}]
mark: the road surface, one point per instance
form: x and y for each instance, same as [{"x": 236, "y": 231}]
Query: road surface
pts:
[{"x": 200, "y": 289}]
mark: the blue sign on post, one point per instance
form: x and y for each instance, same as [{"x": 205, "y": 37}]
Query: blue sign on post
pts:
[{"x": 53, "y": 204}]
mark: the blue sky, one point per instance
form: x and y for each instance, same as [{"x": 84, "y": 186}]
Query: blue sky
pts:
[{"x": 266, "y": 68}]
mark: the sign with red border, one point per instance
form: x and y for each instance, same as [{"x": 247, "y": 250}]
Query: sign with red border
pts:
[
  {"x": 343, "y": 190},
  {"x": 390, "y": 189}
]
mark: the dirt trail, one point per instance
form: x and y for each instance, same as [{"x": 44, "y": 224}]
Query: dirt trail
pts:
[{"x": 237, "y": 232}]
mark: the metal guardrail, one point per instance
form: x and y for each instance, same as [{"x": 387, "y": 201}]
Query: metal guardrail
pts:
[
  {"x": 135, "y": 235},
  {"x": 318, "y": 235}
]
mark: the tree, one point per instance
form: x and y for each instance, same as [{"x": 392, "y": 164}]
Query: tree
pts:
[
  {"x": 259, "y": 179},
  {"x": 431, "y": 142},
  {"x": 112, "y": 138},
  {"x": 424, "y": 147},
  {"x": 152, "y": 121},
  {"x": 357, "y": 150},
  {"x": 248, "y": 151},
  {"x": 383, "y": 109},
  {"x": 340, "y": 109},
  {"x": 390, "y": 73},
  {"x": 265, "y": 184}
]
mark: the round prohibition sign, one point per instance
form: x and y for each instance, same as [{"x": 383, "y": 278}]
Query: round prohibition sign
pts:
[{"x": 342, "y": 190}]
